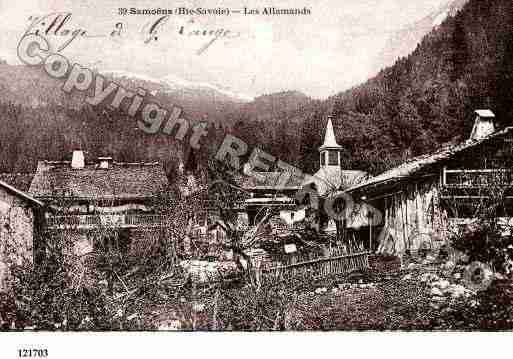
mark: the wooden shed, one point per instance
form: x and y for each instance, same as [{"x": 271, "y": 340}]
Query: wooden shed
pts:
[{"x": 426, "y": 199}]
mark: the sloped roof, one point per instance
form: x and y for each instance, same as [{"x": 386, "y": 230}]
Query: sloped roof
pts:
[
  {"x": 267, "y": 180},
  {"x": 25, "y": 196},
  {"x": 416, "y": 164},
  {"x": 330, "y": 178},
  {"x": 120, "y": 180},
  {"x": 21, "y": 181}
]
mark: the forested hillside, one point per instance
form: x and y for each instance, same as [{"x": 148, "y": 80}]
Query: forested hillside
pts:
[
  {"x": 427, "y": 98},
  {"x": 423, "y": 101}
]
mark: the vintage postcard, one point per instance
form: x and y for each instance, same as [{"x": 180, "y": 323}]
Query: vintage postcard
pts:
[{"x": 293, "y": 166}]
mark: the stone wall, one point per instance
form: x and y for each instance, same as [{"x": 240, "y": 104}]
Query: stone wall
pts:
[{"x": 16, "y": 233}]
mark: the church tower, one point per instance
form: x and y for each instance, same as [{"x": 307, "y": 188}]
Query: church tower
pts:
[
  {"x": 330, "y": 176},
  {"x": 330, "y": 151}
]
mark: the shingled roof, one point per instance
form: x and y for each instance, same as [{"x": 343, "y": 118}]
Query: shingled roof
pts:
[
  {"x": 326, "y": 179},
  {"x": 331, "y": 178},
  {"x": 417, "y": 164},
  {"x": 119, "y": 181},
  {"x": 268, "y": 180}
]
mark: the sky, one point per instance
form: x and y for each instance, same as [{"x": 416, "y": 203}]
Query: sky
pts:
[{"x": 319, "y": 54}]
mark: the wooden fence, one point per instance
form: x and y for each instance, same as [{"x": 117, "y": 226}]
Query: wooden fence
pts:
[{"x": 320, "y": 267}]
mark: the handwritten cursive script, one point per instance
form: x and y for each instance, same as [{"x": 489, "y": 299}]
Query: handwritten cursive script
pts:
[
  {"x": 57, "y": 24},
  {"x": 211, "y": 34}
]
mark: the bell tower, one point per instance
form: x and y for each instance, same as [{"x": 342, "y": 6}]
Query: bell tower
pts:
[{"x": 330, "y": 151}]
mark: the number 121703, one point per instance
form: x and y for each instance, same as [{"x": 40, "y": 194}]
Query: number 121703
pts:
[{"x": 32, "y": 353}]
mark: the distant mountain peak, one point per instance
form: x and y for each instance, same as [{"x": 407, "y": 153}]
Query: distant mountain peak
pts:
[
  {"x": 176, "y": 83},
  {"x": 173, "y": 80},
  {"x": 282, "y": 94}
]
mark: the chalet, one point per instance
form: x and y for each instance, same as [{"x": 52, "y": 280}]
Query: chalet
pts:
[
  {"x": 103, "y": 199},
  {"x": 425, "y": 199},
  {"x": 20, "y": 226},
  {"x": 265, "y": 190}
]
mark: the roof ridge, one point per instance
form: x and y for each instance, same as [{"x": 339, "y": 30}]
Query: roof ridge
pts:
[
  {"x": 454, "y": 146},
  {"x": 440, "y": 154},
  {"x": 55, "y": 162},
  {"x": 153, "y": 163}
]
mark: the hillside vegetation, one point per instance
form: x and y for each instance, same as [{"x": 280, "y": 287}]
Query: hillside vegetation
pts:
[{"x": 421, "y": 102}]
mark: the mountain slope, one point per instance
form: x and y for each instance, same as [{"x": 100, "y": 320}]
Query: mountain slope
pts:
[
  {"x": 428, "y": 98},
  {"x": 422, "y": 101},
  {"x": 404, "y": 41}
]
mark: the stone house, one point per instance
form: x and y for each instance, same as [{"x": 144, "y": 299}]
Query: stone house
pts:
[
  {"x": 101, "y": 201},
  {"x": 20, "y": 228}
]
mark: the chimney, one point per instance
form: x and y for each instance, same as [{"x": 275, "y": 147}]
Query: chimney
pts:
[
  {"x": 484, "y": 125},
  {"x": 78, "y": 162},
  {"x": 105, "y": 162}
]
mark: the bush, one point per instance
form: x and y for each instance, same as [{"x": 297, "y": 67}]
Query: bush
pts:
[
  {"x": 486, "y": 243},
  {"x": 491, "y": 309},
  {"x": 261, "y": 308},
  {"x": 50, "y": 298}
]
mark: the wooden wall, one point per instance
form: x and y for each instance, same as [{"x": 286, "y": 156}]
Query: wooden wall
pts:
[{"x": 413, "y": 218}]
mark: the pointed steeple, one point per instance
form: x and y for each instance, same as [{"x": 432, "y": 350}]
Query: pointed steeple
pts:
[
  {"x": 330, "y": 149},
  {"x": 330, "y": 142}
]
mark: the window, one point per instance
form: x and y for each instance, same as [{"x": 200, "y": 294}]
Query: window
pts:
[
  {"x": 323, "y": 158},
  {"x": 333, "y": 158}
]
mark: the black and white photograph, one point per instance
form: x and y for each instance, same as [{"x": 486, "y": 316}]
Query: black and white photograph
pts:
[{"x": 200, "y": 170}]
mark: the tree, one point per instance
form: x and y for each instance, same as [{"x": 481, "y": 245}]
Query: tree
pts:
[
  {"x": 226, "y": 197},
  {"x": 489, "y": 236}
]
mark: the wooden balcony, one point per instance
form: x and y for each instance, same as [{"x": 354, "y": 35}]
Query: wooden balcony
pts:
[
  {"x": 93, "y": 221},
  {"x": 480, "y": 178},
  {"x": 505, "y": 224}
]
